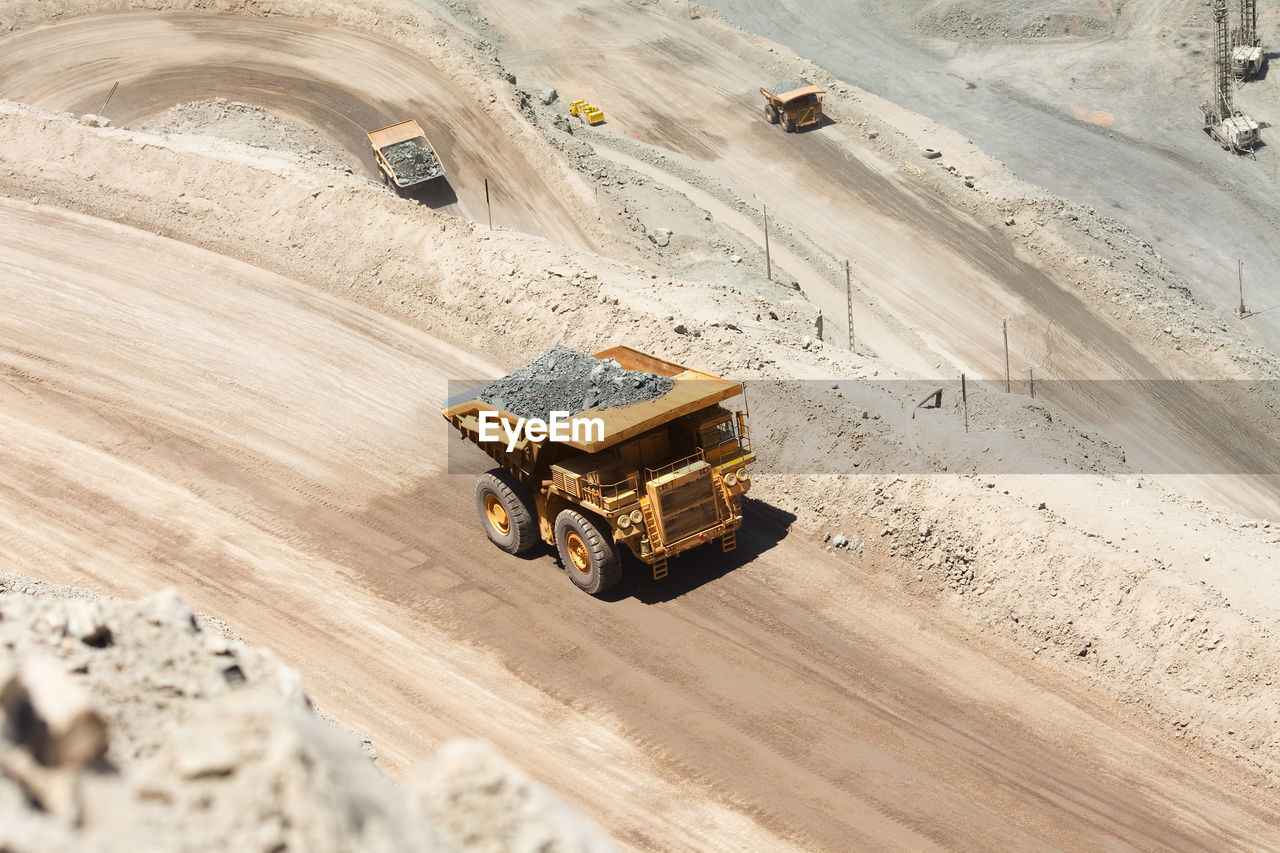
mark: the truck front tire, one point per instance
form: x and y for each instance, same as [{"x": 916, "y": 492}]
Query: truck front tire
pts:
[
  {"x": 506, "y": 513},
  {"x": 590, "y": 558},
  {"x": 770, "y": 114}
]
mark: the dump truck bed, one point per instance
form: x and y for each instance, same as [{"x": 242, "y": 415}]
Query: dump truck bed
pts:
[
  {"x": 693, "y": 390},
  {"x": 789, "y": 90},
  {"x": 405, "y": 154}
]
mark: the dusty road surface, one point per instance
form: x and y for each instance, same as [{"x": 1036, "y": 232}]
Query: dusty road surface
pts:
[
  {"x": 175, "y": 417},
  {"x": 934, "y": 265},
  {"x": 340, "y": 82}
]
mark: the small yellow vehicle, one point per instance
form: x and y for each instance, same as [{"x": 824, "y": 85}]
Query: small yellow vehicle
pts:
[{"x": 589, "y": 113}]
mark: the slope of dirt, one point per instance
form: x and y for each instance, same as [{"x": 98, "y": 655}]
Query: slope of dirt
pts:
[{"x": 251, "y": 125}]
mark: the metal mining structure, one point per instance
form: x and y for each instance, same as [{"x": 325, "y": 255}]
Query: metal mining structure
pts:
[
  {"x": 1232, "y": 129},
  {"x": 1246, "y": 53}
]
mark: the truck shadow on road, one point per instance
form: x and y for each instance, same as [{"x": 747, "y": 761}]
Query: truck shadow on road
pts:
[
  {"x": 434, "y": 194},
  {"x": 763, "y": 527},
  {"x": 824, "y": 120}
]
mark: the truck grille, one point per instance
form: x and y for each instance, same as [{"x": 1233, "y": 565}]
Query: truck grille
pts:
[
  {"x": 686, "y": 504},
  {"x": 566, "y": 484}
]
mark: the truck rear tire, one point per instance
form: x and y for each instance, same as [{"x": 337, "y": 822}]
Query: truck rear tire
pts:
[
  {"x": 590, "y": 558},
  {"x": 506, "y": 513},
  {"x": 789, "y": 125}
]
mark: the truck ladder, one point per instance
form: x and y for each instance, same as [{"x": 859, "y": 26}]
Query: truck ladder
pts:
[
  {"x": 651, "y": 525},
  {"x": 660, "y": 568},
  {"x": 729, "y": 541}
]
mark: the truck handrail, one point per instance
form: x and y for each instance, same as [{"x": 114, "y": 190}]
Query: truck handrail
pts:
[
  {"x": 609, "y": 492},
  {"x": 670, "y": 467}
]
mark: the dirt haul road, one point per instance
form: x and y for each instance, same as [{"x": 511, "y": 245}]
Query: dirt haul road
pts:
[
  {"x": 277, "y": 455},
  {"x": 340, "y": 82}
]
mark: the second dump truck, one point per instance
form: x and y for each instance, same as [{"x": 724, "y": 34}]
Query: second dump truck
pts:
[
  {"x": 405, "y": 155},
  {"x": 662, "y": 476}
]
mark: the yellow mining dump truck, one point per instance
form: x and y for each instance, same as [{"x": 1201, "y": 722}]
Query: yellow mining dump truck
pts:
[
  {"x": 794, "y": 103},
  {"x": 405, "y": 155},
  {"x": 660, "y": 477}
]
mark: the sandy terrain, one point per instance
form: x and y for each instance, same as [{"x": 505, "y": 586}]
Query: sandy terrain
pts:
[
  {"x": 290, "y": 453},
  {"x": 222, "y": 370}
]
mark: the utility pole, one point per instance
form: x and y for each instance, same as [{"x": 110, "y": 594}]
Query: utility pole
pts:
[
  {"x": 1242, "y": 311},
  {"x": 102, "y": 111},
  {"x": 964, "y": 396},
  {"x": 848, "y": 299},
  {"x": 1004, "y": 326},
  {"x": 487, "y": 208},
  {"x": 1031, "y": 375},
  {"x": 768, "y": 263}
]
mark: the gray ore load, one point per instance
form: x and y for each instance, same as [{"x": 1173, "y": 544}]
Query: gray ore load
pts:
[
  {"x": 564, "y": 379},
  {"x": 411, "y": 162},
  {"x": 405, "y": 155}
]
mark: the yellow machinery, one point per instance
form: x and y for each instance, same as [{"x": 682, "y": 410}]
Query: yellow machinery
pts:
[
  {"x": 405, "y": 155},
  {"x": 589, "y": 113},
  {"x": 664, "y": 476},
  {"x": 793, "y": 104}
]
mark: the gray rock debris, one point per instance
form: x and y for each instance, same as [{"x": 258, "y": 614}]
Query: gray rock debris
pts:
[
  {"x": 547, "y": 96},
  {"x": 784, "y": 86},
  {"x": 141, "y": 743},
  {"x": 564, "y": 379},
  {"x": 411, "y": 161},
  {"x": 478, "y": 801}
]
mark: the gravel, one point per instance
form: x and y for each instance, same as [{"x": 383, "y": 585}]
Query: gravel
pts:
[
  {"x": 412, "y": 162},
  {"x": 784, "y": 86},
  {"x": 564, "y": 379}
]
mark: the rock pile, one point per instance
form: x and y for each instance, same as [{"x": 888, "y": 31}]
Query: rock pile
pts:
[
  {"x": 563, "y": 379},
  {"x": 412, "y": 162},
  {"x": 128, "y": 726}
]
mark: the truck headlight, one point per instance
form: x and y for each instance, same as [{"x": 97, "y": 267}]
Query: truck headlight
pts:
[
  {"x": 636, "y": 516},
  {"x": 731, "y": 479},
  {"x": 742, "y": 474},
  {"x": 624, "y": 521}
]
